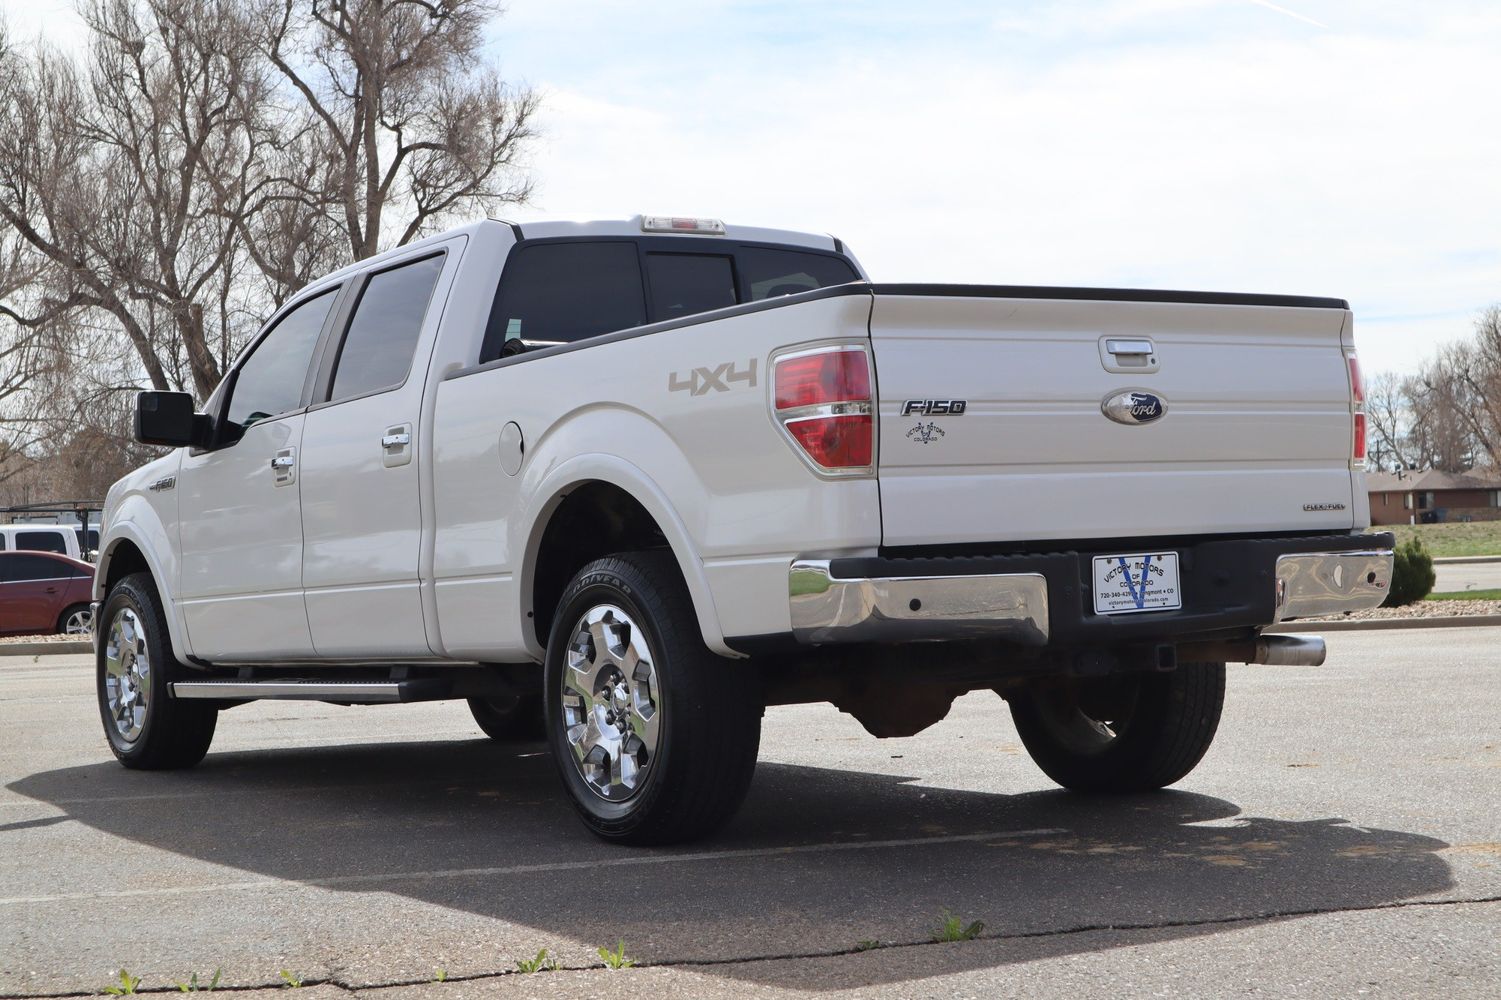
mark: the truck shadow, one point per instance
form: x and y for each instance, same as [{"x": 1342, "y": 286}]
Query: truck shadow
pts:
[{"x": 817, "y": 861}]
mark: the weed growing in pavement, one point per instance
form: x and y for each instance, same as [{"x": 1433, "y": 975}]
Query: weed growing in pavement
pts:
[
  {"x": 191, "y": 986},
  {"x": 127, "y": 986},
  {"x": 440, "y": 975},
  {"x": 954, "y": 929},
  {"x": 292, "y": 979},
  {"x": 866, "y": 945},
  {"x": 539, "y": 964},
  {"x": 616, "y": 959}
]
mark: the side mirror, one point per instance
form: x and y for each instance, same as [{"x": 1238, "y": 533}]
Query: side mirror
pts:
[{"x": 168, "y": 418}]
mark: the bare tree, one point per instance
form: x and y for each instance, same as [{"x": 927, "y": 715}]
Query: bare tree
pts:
[
  {"x": 126, "y": 174},
  {"x": 1389, "y": 419},
  {"x": 412, "y": 126}
]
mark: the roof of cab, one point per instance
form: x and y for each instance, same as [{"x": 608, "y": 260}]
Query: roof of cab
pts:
[
  {"x": 633, "y": 227},
  {"x": 562, "y": 229}
]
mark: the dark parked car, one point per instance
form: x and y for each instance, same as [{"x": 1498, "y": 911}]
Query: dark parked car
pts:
[{"x": 44, "y": 592}]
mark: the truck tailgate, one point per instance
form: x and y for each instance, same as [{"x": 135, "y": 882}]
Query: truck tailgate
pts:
[{"x": 1254, "y": 435}]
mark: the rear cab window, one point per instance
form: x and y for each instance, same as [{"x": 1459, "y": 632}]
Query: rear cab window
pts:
[{"x": 567, "y": 290}]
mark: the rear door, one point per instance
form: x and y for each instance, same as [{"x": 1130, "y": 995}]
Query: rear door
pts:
[
  {"x": 1005, "y": 417},
  {"x": 361, "y": 456}
]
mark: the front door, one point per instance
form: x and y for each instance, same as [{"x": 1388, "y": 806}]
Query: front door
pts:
[
  {"x": 361, "y": 507},
  {"x": 239, "y": 511}
]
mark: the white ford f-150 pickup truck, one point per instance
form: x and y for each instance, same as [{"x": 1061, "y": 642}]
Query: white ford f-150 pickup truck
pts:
[{"x": 694, "y": 470}]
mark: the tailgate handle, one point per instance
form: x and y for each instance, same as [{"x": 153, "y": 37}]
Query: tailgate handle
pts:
[{"x": 1142, "y": 348}]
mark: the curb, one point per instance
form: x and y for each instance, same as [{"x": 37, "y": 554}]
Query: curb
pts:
[
  {"x": 1462, "y": 560},
  {"x": 68, "y": 648},
  {"x": 1371, "y": 624}
]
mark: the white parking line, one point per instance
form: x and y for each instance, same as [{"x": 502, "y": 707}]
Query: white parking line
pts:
[{"x": 337, "y": 881}]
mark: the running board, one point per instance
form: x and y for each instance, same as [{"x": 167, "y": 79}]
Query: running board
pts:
[{"x": 345, "y": 692}]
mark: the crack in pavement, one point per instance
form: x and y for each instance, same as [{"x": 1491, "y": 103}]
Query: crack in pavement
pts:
[{"x": 690, "y": 963}]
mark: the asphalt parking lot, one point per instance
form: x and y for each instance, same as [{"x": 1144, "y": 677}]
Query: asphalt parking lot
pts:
[{"x": 1343, "y": 838}]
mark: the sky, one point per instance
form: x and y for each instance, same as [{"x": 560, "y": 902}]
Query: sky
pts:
[{"x": 1311, "y": 147}]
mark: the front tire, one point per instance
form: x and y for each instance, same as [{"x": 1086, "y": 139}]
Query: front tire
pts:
[
  {"x": 147, "y": 729},
  {"x": 655, "y": 737},
  {"x": 1125, "y": 733}
]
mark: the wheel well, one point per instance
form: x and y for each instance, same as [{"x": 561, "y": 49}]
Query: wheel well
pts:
[
  {"x": 593, "y": 521},
  {"x": 124, "y": 559}
]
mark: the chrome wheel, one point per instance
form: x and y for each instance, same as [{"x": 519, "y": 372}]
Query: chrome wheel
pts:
[
  {"x": 611, "y": 703},
  {"x": 80, "y": 622},
  {"x": 127, "y": 675}
]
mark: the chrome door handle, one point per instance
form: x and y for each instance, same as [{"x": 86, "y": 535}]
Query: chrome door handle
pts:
[
  {"x": 283, "y": 462},
  {"x": 396, "y": 440}
]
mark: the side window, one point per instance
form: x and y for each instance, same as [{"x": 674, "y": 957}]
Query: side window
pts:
[
  {"x": 769, "y": 273},
  {"x": 271, "y": 379},
  {"x": 377, "y": 350},
  {"x": 683, "y": 284},
  {"x": 41, "y": 541},
  {"x": 562, "y": 292},
  {"x": 20, "y": 569}
]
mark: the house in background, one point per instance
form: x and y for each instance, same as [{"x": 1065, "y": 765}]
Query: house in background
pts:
[{"x": 1433, "y": 497}]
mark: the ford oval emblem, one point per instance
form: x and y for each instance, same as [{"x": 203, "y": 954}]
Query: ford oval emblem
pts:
[{"x": 1134, "y": 406}]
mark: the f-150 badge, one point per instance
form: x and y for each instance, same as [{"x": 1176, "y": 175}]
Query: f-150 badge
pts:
[
  {"x": 1134, "y": 406},
  {"x": 935, "y": 407}
]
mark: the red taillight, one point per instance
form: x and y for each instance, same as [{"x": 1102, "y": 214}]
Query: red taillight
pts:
[
  {"x": 823, "y": 399},
  {"x": 813, "y": 379},
  {"x": 1357, "y": 412},
  {"x": 841, "y": 442}
]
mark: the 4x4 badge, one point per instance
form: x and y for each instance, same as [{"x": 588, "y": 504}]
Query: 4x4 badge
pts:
[{"x": 701, "y": 380}]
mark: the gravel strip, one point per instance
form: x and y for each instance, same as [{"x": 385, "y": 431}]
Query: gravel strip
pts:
[
  {"x": 1422, "y": 609},
  {"x": 6, "y": 640}
]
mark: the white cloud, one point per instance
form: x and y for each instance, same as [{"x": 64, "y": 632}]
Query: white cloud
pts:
[
  {"x": 1286, "y": 159},
  {"x": 1167, "y": 143}
]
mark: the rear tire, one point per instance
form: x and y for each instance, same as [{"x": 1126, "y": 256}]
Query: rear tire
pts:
[
  {"x": 147, "y": 729},
  {"x": 1126, "y": 733},
  {"x": 655, "y": 737},
  {"x": 513, "y": 718}
]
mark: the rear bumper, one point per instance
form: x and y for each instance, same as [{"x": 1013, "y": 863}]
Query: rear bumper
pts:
[{"x": 1229, "y": 586}]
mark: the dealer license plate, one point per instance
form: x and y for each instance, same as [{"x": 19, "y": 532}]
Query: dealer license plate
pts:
[{"x": 1124, "y": 585}]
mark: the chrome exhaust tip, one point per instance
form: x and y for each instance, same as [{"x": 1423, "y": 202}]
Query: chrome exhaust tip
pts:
[{"x": 1291, "y": 650}]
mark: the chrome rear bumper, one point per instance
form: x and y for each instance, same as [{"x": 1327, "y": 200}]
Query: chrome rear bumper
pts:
[
  {"x": 827, "y": 609},
  {"x": 1319, "y": 584}
]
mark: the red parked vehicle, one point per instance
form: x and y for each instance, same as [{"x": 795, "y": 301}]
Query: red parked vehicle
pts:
[{"x": 43, "y": 592}]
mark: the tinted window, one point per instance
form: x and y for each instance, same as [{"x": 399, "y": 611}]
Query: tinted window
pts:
[
  {"x": 769, "y": 273},
  {"x": 42, "y": 541},
  {"x": 377, "y": 351},
  {"x": 271, "y": 379},
  {"x": 562, "y": 292},
  {"x": 20, "y": 568},
  {"x": 683, "y": 284}
]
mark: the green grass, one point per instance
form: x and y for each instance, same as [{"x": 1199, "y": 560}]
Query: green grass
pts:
[
  {"x": 1467, "y": 595},
  {"x": 616, "y": 959},
  {"x": 953, "y": 928},
  {"x": 542, "y": 963},
  {"x": 1478, "y": 538}
]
